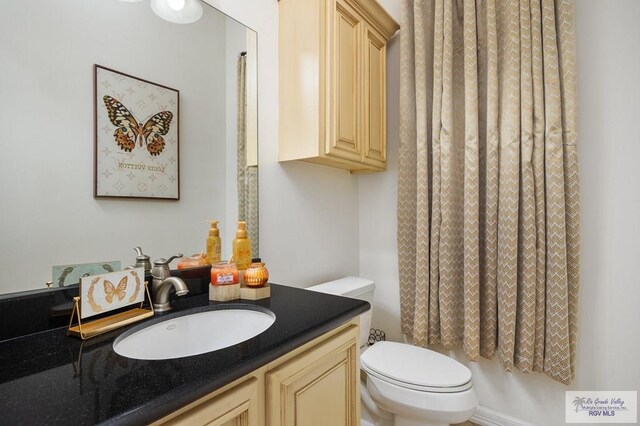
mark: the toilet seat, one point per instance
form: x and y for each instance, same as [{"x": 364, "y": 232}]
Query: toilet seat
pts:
[{"x": 415, "y": 368}]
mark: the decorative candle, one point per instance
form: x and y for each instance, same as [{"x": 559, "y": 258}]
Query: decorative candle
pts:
[
  {"x": 195, "y": 261},
  {"x": 223, "y": 273},
  {"x": 256, "y": 275}
]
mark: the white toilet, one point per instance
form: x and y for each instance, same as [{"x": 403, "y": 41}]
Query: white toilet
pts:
[{"x": 406, "y": 385}]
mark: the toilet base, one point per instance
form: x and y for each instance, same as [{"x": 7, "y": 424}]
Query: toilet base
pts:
[
  {"x": 399, "y": 421},
  {"x": 371, "y": 420},
  {"x": 410, "y": 408}
]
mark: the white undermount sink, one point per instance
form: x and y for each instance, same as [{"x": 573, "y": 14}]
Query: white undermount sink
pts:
[{"x": 193, "y": 334}]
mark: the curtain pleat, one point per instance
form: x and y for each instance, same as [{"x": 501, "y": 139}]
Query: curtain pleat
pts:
[
  {"x": 423, "y": 67},
  {"x": 568, "y": 88},
  {"x": 538, "y": 172},
  {"x": 526, "y": 297},
  {"x": 489, "y": 301},
  {"x": 450, "y": 251},
  {"x": 488, "y": 206},
  {"x": 471, "y": 187},
  {"x": 436, "y": 178}
]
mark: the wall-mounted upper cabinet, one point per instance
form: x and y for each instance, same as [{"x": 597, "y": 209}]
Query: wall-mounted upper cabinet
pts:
[{"x": 332, "y": 82}]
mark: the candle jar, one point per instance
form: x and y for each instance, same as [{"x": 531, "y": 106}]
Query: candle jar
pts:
[
  {"x": 256, "y": 274},
  {"x": 195, "y": 261},
  {"x": 223, "y": 273}
]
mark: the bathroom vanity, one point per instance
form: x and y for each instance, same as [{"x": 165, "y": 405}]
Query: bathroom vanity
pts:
[
  {"x": 316, "y": 382},
  {"x": 305, "y": 364}
]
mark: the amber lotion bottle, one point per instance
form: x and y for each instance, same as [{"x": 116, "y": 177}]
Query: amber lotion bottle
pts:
[
  {"x": 242, "y": 247},
  {"x": 213, "y": 243}
]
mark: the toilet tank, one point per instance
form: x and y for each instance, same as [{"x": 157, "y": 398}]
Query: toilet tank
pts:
[{"x": 356, "y": 288}]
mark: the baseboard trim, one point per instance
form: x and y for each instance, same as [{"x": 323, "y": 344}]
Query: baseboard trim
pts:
[{"x": 487, "y": 417}]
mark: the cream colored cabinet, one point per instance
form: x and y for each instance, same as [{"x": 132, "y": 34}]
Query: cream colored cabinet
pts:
[
  {"x": 237, "y": 406},
  {"x": 319, "y": 387},
  {"x": 374, "y": 151},
  {"x": 315, "y": 384},
  {"x": 332, "y": 82}
]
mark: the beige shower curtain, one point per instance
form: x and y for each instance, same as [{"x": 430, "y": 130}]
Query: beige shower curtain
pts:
[{"x": 488, "y": 208}]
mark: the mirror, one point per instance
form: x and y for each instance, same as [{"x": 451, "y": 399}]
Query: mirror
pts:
[{"x": 48, "y": 49}]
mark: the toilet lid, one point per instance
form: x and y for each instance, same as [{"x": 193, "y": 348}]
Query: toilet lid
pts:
[{"x": 415, "y": 368}]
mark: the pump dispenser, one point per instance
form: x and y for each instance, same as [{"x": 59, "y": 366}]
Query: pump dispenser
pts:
[
  {"x": 213, "y": 243},
  {"x": 242, "y": 247}
]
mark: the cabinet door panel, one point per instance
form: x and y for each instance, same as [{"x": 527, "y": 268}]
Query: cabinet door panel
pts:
[
  {"x": 374, "y": 99},
  {"x": 312, "y": 394},
  {"x": 236, "y": 407},
  {"x": 318, "y": 387},
  {"x": 344, "y": 141}
]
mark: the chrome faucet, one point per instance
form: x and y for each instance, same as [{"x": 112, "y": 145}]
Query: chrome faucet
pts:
[{"x": 163, "y": 282}]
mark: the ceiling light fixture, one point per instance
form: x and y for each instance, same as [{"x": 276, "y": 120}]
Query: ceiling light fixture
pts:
[{"x": 178, "y": 11}]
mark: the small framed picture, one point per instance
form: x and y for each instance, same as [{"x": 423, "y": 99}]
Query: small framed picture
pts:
[{"x": 136, "y": 137}]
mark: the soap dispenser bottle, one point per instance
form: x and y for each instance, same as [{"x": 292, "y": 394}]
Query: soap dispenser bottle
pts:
[
  {"x": 213, "y": 243},
  {"x": 242, "y": 247}
]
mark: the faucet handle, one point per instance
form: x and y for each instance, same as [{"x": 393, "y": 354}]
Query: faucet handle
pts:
[
  {"x": 165, "y": 262},
  {"x": 142, "y": 260}
]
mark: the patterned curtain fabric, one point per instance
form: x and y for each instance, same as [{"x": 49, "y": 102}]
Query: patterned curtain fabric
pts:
[
  {"x": 247, "y": 176},
  {"x": 488, "y": 208}
]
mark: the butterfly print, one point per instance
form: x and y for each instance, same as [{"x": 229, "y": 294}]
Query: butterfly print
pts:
[
  {"x": 111, "y": 291},
  {"x": 129, "y": 131}
]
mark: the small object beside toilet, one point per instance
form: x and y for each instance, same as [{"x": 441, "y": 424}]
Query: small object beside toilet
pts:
[{"x": 376, "y": 336}]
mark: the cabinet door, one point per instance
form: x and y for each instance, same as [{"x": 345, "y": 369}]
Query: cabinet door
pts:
[
  {"x": 318, "y": 387},
  {"x": 374, "y": 122},
  {"x": 236, "y": 407},
  {"x": 344, "y": 138}
]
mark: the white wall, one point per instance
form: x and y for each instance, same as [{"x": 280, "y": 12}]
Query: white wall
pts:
[
  {"x": 378, "y": 196},
  {"x": 609, "y": 146},
  {"x": 308, "y": 213},
  {"x": 48, "y": 215}
]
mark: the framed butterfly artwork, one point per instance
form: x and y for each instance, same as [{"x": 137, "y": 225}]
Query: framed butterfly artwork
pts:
[{"x": 136, "y": 128}]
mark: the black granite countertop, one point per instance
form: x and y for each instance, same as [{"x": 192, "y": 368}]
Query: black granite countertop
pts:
[{"x": 51, "y": 378}]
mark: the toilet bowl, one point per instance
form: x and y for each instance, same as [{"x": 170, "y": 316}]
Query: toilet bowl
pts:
[{"x": 406, "y": 385}]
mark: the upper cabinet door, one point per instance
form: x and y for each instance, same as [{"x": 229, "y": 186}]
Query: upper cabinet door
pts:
[
  {"x": 332, "y": 72},
  {"x": 374, "y": 122},
  {"x": 345, "y": 73}
]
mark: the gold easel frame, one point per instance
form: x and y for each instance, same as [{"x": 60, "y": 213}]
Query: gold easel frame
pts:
[{"x": 100, "y": 326}]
